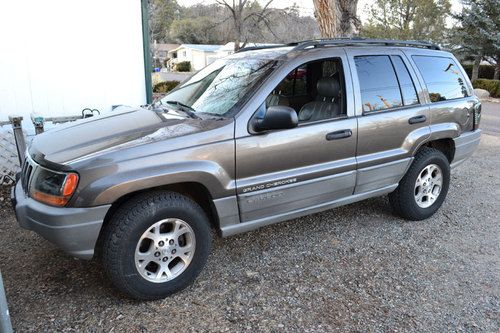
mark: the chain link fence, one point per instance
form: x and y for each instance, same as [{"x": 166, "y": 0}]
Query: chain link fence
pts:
[{"x": 9, "y": 162}]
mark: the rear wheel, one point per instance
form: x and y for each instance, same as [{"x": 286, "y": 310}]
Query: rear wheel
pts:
[
  {"x": 424, "y": 187},
  {"x": 156, "y": 244}
]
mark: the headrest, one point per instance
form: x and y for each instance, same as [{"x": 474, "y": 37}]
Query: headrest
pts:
[{"x": 328, "y": 86}]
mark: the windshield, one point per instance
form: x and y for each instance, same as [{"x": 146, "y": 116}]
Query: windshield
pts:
[{"x": 219, "y": 86}]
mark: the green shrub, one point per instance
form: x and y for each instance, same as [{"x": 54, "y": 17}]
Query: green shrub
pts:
[
  {"x": 165, "y": 86},
  {"x": 485, "y": 71},
  {"x": 183, "y": 66},
  {"x": 493, "y": 86}
]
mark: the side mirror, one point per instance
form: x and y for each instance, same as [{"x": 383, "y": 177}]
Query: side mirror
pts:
[{"x": 275, "y": 118}]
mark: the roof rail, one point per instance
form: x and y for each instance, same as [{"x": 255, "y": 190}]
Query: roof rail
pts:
[
  {"x": 354, "y": 41},
  {"x": 364, "y": 41},
  {"x": 251, "y": 48}
]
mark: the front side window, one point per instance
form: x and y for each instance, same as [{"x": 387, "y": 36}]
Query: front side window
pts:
[
  {"x": 442, "y": 76},
  {"x": 219, "y": 86},
  {"x": 294, "y": 84},
  {"x": 314, "y": 90},
  {"x": 378, "y": 83}
]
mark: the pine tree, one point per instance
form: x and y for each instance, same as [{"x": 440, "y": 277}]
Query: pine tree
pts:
[{"x": 478, "y": 33}]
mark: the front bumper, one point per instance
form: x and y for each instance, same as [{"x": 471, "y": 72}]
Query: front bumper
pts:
[{"x": 74, "y": 230}]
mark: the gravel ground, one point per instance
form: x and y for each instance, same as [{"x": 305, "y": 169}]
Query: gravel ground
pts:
[{"x": 354, "y": 268}]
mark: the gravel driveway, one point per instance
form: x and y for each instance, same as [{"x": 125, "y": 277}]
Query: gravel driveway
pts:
[{"x": 354, "y": 268}]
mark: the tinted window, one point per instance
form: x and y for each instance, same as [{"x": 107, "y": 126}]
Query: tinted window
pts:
[
  {"x": 378, "y": 83},
  {"x": 442, "y": 76},
  {"x": 295, "y": 83},
  {"x": 330, "y": 68},
  {"x": 299, "y": 90},
  {"x": 405, "y": 82}
]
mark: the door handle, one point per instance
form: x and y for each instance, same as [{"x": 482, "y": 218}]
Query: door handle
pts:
[
  {"x": 342, "y": 134},
  {"x": 417, "y": 119}
]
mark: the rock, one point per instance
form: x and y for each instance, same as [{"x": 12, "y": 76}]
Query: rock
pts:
[{"x": 481, "y": 93}]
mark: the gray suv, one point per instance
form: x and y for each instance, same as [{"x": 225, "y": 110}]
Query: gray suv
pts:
[{"x": 262, "y": 136}]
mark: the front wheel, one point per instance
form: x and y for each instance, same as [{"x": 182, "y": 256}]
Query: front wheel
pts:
[
  {"x": 156, "y": 244},
  {"x": 424, "y": 187}
]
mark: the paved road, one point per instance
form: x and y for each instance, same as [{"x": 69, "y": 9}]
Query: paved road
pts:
[
  {"x": 174, "y": 76},
  {"x": 490, "y": 118}
]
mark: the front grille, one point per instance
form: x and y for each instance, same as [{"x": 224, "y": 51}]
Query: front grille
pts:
[{"x": 27, "y": 173}]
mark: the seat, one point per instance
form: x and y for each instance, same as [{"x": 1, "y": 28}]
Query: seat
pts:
[
  {"x": 327, "y": 103},
  {"x": 275, "y": 99}
]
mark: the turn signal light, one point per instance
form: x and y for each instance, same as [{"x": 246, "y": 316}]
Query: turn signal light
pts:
[{"x": 53, "y": 188}]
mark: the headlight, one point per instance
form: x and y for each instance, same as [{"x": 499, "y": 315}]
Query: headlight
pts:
[{"x": 52, "y": 188}]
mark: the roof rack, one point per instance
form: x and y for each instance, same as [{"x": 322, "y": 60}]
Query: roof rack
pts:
[
  {"x": 263, "y": 47},
  {"x": 354, "y": 41},
  {"x": 364, "y": 41}
]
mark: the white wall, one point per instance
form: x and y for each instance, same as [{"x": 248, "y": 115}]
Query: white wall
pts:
[
  {"x": 198, "y": 60},
  {"x": 60, "y": 56}
]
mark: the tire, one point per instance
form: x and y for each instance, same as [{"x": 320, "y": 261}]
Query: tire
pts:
[
  {"x": 404, "y": 200},
  {"x": 165, "y": 217}
]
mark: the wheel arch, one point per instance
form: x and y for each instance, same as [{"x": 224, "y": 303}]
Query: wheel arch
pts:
[
  {"x": 444, "y": 145},
  {"x": 194, "y": 190}
]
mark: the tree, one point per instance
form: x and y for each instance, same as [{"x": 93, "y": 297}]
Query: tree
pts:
[
  {"x": 161, "y": 15},
  {"x": 213, "y": 23},
  {"x": 407, "y": 19},
  {"x": 194, "y": 31},
  {"x": 288, "y": 26},
  {"x": 246, "y": 16},
  {"x": 478, "y": 33},
  {"x": 337, "y": 18}
]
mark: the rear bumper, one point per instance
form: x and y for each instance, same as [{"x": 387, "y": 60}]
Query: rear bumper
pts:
[
  {"x": 74, "y": 230},
  {"x": 465, "y": 145}
]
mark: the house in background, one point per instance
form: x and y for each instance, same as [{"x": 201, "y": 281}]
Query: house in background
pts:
[
  {"x": 228, "y": 48},
  {"x": 160, "y": 53},
  {"x": 198, "y": 55},
  {"x": 201, "y": 55}
]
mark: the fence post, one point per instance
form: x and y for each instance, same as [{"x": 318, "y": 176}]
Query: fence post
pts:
[
  {"x": 5, "y": 324},
  {"x": 38, "y": 123},
  {"x": 19, "y": 136}
]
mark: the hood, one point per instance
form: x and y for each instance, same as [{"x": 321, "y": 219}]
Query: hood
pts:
[{"x": 116, "y": 130}]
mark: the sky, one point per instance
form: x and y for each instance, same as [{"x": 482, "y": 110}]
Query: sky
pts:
[{"x": 307, "y": 7}]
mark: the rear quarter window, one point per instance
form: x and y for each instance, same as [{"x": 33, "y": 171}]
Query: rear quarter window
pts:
[{"x": 443, "y": 78}]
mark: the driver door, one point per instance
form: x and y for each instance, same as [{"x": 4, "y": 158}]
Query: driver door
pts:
[{"x": 287, "y": 173}]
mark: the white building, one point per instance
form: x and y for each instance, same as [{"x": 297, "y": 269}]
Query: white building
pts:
[
  {"x": 228, "y": 48},
  {"x": 199, "y": 55},
  {"x": 160, "y": 53},
  {"x": 59, "y": 57}
]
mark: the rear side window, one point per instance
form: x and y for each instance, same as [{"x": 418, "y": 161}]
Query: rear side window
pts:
[
  {"x": 378, "y": 83},
  {"x": 405, "y": 82},
  {"x": 442, "y": 76},
  {"x": 384, "y": 83}
]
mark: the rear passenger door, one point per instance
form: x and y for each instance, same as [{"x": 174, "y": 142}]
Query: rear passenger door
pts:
[{"x": 392, "y": 118}]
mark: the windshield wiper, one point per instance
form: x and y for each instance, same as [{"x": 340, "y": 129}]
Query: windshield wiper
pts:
[{"x": 185, "y": 108}]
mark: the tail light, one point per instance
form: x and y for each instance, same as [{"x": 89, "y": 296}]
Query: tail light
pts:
[{"x": 477, "y": 115}]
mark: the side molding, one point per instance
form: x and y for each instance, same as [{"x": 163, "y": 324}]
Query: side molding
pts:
[{"x": 251, "y": 225}]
